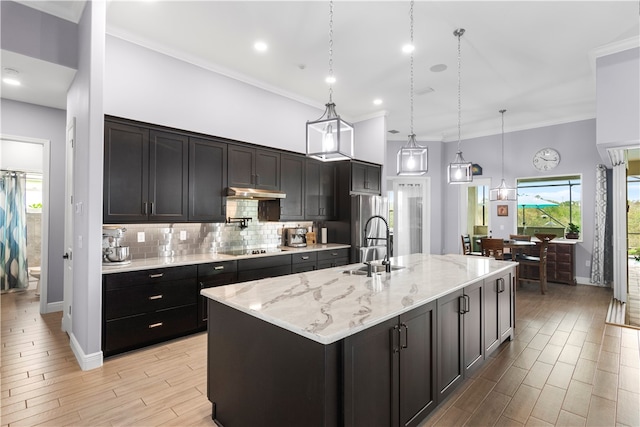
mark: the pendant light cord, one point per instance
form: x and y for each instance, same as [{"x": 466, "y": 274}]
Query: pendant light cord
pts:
[
  {"x": 459, "y": 32},
  {"x": 411, "y": 66},
  {"x": 502, "y": 112},
  {"x": 331, "y": 51}
]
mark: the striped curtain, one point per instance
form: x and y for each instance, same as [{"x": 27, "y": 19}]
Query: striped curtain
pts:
[
  {"x": 601, "y": 262},
  {"x": 13, "y": 231}
]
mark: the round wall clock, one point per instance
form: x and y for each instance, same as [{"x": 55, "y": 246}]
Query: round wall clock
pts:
[{"x": 546, "y": 159}]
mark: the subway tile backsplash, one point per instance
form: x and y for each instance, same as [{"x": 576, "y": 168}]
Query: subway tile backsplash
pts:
[{"x": 164, "y": 240}]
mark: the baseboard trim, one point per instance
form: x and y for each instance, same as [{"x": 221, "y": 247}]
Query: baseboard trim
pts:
[
  {"x": 86, "y": 361},
  {"x": 587, "y": 281},
  {"x": 52, "y": 307}
]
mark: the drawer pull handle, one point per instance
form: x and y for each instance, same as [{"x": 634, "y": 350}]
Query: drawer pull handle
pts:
[
  {"x": 155, "y": 325},
  {"x": 219, "y": 267},
  {"x": 334, "y": 253},
  {"x": 305, "y": 257},
  {"x": 155, "y": 276},
  {"x": 155, "y": 297}
]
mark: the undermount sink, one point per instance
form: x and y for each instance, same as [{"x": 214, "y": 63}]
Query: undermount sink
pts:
[{"x": 375, "y": 268}]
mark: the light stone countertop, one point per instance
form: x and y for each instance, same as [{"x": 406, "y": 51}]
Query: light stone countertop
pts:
[
  {"x": 329, "y": 305},
  {"x": 151, "y": 263}
]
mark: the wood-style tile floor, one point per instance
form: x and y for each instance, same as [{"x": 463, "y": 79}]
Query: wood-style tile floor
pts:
[{"x": 565, "y": 367}]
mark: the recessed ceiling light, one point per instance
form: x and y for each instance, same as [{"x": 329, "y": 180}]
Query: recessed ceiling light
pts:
[
  {"x": 438, "y": 68},
  {"x": 377, "y": 101},
  {"x": 10, "y": 77},
  {"x": 408, "y": 48},
  {"x": 260, "y": 46},
  {"x": 330, "y": 79}
]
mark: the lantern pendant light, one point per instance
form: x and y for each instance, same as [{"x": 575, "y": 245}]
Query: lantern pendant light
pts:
[
  {"x": 502, "y": 192},
  {"x": 412, "y": 158},
  {"x": 330, "y": 138},
  {"x": 459, "y": 171}
]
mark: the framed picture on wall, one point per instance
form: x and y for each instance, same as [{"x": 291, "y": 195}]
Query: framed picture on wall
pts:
[{"x": 503, "y": 210}]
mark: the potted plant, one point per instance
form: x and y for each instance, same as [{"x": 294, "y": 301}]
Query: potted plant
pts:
[{"x": 573, "y": 231}]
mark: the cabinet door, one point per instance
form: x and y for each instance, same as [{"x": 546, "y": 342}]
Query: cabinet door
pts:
[
  {"x": 491, "y": 319},
  {"x": 126, "y": 173},
  {"x": 292, "y": 184},
  {"x": 473, "y": 327},
  {"x": 417, "y": 364},
  {"x": 450, "y": 363},
  {"x": 168, "y": 176},
  {"x": 207, "y": 180},
  {"x": 505, "y": 306},
  {"x": 370, "y": 376},
  {"x": 267, "y": 172},
  {"x": 241, "y": 166},
  {"x": 319, "y": 190},
  {"x": 365, "y": 178}
]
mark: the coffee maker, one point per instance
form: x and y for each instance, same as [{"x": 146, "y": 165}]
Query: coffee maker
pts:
[{"x": 112, "y": 252}]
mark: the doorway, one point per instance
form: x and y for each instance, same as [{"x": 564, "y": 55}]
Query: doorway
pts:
[
  {"x": 475, "y": 218},
  {"x": 409, "y": 215},
  {"x": 31, "y": 155}
]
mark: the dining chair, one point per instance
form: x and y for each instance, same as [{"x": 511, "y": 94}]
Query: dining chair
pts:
[
  {"x": 537, "y": 261},
  {"x": 495, "y": 248},
  {"x": 466, "y": 246}
]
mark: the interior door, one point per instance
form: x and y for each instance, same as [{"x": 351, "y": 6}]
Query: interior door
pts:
[
  {"x": 68, "y": 227},
  {"x": 411, "y": 216}
]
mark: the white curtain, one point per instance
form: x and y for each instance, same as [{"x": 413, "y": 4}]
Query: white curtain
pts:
[
  {"x": 13, "y": 231},
  {"x": 408, "y": 218},
  {"x": 600, "y": 265}
]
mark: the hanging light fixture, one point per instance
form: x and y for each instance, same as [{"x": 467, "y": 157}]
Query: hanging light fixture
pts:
[
  {"x": 502, "y": 192},
  {"x": 412, "y": 158},
  {"x": 330, "y": 138},
  {"x": 459, "y": 172}
]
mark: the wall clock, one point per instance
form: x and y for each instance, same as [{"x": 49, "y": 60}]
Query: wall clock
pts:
[{"x": 546, "y": 159}]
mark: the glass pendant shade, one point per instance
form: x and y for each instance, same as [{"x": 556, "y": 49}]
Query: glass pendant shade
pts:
[
  {"x": 330, "y": 138},
  {"x": 412, "y": 159},
  {"x": 502, "y": 193},
  {"x": 460, "y": 171}
]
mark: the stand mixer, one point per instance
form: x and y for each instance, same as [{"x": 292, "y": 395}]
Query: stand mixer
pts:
[{"x": 112, "y": 252}]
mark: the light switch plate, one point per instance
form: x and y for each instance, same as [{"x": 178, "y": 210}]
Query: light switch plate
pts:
[
  {"x": 140, "y": 236},
  {"x": 183, "y": 234}
]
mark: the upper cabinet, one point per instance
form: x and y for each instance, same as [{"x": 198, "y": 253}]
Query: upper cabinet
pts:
[
  {"x": 207, "y": 180},
  {"x": 320, "y": 201},
  {"x": 292, "y": 184},
  {"x": 365, "y": 178},
  {"x": 253, "y": 168},
  {"x": 145, "y": 174}
]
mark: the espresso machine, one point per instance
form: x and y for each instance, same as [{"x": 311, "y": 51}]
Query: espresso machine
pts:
[{"x": 112, "y": 251}]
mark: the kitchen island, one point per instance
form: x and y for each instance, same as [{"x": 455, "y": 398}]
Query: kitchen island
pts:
[{"x": 335, "y": 347}]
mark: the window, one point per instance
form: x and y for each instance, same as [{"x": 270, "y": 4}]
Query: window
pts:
[
  {"x": 33, "y": 193},
  {"x": 633, "y": 214},
  {"x": 548, "y": 205}
]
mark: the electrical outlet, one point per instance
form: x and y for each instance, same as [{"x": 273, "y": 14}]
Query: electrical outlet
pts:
[
  {"x": 140, "y": 236},
  {"x": 588, "y": 263},
  {"x": 183, "y": 234}
]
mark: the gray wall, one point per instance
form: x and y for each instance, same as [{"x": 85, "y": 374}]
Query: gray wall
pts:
[{"x": 28, "y": 120}]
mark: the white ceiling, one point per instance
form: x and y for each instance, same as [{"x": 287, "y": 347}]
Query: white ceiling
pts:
[{"x": 536, "y": 58}]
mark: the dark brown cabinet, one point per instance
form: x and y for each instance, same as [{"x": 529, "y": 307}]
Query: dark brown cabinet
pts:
[
  {"x": 449, "y": 345},
  {"x": 263, "y": 267},
  {"x": 145, "y": 307},
  {"x": 473, "y": 327},
  {"x": 253, "y": 168},
  {"x": 560, "y": 263},
  {"x": 305, "y": 261},
  {"x": 499, "y": 311},
  {"x": 292, "y": 175},
  {"x": 320, "y": 203},
  {"x": 207, "y": 180},
  {"x": 145, "y": 174},
  {"x": 211, "y": 275},
  {"x": 389, "y": 371},
  {"x": 333, "y": 258},
  {"x": 365, "y": 178}
]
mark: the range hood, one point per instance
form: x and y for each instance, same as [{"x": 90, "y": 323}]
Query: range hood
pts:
[{"x": 254, "y": 194}]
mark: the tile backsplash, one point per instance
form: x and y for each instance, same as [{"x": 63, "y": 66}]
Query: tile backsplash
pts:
[{"x": 176, "y": 239}]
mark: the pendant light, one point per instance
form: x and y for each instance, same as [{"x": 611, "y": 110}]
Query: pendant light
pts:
[
  {"x": 330, "y": 138},
  {"x": 502, "y": 192},
  {"x": 459, "y": 172},
  {"x": 412, "y": 158}
]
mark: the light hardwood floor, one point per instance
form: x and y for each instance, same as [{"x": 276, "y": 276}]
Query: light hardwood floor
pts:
[{"x": 565, "y": 367}]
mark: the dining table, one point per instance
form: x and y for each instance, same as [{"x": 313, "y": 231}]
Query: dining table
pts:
[{"x": 515, "y": 246}]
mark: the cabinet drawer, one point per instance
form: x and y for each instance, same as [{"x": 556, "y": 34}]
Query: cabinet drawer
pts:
[
  {"x": 262, "y": 273},
  {"x": 138, "y": 331},
  {"x": 332, "y": 254},
  {"x": 304, "y": 257},
  {"x": 301, "y": 267},
  {"x": 564, "y": 258},
  {"x": 212, "y": 271},
  {"x": 334, "y": 262},
  {"x": 126, "y": 280},
  {"x": 264, "y": 262},
  {"x": 133, "y": 300}
]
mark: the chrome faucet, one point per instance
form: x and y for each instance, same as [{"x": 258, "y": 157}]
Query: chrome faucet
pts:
[{"x": 387, "y": 239}]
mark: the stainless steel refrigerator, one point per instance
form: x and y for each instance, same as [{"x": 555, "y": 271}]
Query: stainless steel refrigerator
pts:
[{"x": 372, "y": 246}]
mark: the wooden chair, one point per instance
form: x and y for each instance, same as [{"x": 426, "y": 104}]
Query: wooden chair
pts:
[
  {"x": 537, "y": 261},
  {"x": 520, "y": 237},
  {"x": 466, "y": 246},
  {"x": 495, "y": 248}
]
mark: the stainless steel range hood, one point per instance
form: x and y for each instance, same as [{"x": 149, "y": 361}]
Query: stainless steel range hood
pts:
[{"x": 254, "y": 194}]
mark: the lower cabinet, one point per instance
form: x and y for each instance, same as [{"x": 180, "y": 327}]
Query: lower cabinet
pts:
[
  {"x": 499, "y": 311},
  {"x": 305, "y": 261},
  {"x": 389, "y": 371},
  {"x": 263, "y": 267},
  {"x": 209, "y": 276},
  {"x": 145, "y": 307},
  {"x": 333, "y": 258}
]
